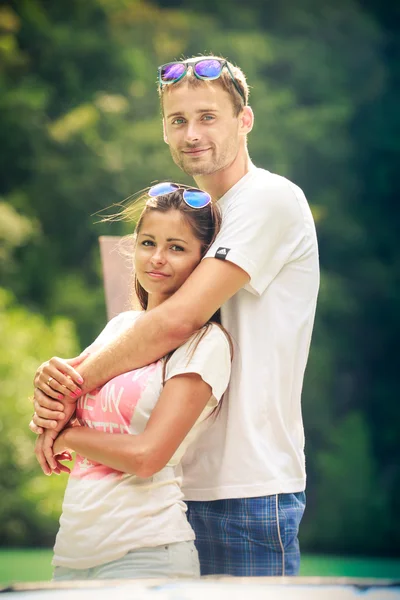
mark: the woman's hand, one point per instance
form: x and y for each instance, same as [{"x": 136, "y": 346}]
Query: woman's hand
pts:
[
  {"x": 61, "y": 451},
  {"x": 44, "y": 444},
  {"x": 55, "y": 381},
  {"x": 58, "y": 379},
  {"x": 48, "y": 412},
  {"x": 49, "y": 452}
]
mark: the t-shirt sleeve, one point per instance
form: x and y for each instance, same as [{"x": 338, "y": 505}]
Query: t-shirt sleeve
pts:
[
  {"x": 211, "y": 359},
  {"x": 262, "y": 227}
]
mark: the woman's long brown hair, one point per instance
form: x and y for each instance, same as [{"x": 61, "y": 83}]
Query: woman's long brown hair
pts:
[{"x": 205, "y": 224}]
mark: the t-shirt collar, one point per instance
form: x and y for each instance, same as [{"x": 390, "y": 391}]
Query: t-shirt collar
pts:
[{"x": 238, "y": 185}]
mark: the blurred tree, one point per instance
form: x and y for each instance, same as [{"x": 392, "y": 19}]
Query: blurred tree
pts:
[{"x": 29, "y": 502}]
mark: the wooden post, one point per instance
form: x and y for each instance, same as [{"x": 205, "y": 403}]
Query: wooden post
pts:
[{"x": 116, "y": 257}]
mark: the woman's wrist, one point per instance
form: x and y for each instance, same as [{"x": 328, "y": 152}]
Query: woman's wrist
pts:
[
  {"x": 60, "y": 442},
  {"x": 65, "y": 435}
]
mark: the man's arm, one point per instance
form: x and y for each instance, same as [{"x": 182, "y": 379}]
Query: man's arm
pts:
[
  {"x": 166, "y": 327},
  {"x": 156, "y": 332}
]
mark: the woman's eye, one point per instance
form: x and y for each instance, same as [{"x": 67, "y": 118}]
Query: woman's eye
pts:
[
  {"x": 177, "y": 248},
  {"x": 147, "y": 243}
]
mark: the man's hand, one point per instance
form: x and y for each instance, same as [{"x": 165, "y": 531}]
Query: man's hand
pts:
[
  {"x": 56, "y": 383},
  {"x": 48, "y": 412}
]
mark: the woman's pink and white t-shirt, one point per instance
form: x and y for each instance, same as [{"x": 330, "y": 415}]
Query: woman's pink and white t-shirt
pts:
[{"x": 107, "y": 513}]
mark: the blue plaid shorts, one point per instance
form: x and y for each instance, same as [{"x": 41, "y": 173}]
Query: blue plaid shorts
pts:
[{"x": 248, "y": 536}]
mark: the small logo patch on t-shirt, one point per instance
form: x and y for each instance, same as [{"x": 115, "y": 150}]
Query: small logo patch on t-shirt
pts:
[{"x": 222, "y": 253}]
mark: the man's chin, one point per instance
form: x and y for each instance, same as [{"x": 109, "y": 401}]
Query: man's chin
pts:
[
  {"x": 195, "y": 170},
  {"x": 196, "y": 167}
]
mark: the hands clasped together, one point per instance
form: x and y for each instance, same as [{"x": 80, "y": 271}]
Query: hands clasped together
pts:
[{"x": 57, "y": 388}]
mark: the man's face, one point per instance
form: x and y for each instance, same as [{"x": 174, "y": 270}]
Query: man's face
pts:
[{"x": 201, "y": 128}]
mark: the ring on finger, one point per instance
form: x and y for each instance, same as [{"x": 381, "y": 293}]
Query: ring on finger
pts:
[{"x": 49, "y": 380}]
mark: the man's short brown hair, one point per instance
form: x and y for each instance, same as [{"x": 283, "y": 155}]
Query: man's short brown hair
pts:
[{"x": 225, "y": 81}]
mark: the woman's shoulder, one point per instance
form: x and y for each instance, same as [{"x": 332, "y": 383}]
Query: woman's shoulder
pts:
[
  {"x": 207, "y": 353},
  {"x": 216, "y": 333},
  {"x": 210, "y": 337}
]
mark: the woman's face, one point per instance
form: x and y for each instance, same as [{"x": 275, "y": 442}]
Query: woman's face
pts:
[{"x": 166, "y": 252}]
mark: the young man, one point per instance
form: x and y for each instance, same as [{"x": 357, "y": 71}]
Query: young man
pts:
[{"x": 245, "y": 479}]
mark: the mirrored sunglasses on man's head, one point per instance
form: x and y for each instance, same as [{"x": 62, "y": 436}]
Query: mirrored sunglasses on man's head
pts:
[
  {"x": 203, "y": 68},
  {"x": 193, "y": 197}
]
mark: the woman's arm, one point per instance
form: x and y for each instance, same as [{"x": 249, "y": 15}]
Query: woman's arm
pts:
[{"x": 182, "y": 401}]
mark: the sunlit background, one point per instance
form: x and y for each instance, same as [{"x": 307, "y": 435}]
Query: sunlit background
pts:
[{"x": 80, "y": 130}]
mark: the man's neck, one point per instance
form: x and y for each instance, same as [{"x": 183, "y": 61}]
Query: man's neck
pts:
[{"x": 218, "y": 183}]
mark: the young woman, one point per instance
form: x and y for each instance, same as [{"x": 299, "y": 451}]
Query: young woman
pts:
[{"x": 123, "y": 512}]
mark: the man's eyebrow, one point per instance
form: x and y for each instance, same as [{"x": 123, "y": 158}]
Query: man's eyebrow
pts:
[{"x": 200, "y": 111}]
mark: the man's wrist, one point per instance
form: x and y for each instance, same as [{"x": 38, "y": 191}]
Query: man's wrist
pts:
[{"x": 87, "y": 385}]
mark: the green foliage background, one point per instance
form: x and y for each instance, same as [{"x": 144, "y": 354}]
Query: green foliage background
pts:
[{"x": 80, "y": 130}]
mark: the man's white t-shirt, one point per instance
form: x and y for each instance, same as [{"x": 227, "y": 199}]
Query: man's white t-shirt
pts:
[
  {"x": 255, "y": 447},
  {"x": 107, "y": 513}
]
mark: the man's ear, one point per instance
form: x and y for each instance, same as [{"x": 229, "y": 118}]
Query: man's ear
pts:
[
  {"x": 246, "y": 120},
  {"x": 165, "y": 132}
]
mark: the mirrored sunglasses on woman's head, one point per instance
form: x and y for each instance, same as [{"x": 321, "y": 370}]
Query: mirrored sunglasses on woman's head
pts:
[
  {"x": 193, "y": 197},
  {"x": 203, "y": 68}
]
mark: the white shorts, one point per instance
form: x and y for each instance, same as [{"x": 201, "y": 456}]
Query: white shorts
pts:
[{"x": 173, "y": 560}]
